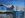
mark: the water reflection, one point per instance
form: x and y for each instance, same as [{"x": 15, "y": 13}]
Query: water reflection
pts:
[{"x": 19, "y": 14}]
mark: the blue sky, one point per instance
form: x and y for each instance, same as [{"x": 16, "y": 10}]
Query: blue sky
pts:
[{"x": 14, "y": 2}]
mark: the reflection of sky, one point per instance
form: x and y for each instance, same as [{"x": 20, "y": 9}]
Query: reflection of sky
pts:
[
  {"x": 24, "y": 3},
  {"x": 3, "y": 15},
  {"x": 14, "y": 2},
  {"x": 2, "y": 8},
  {"x": 19, "y": 13},
  {"x": 5, "y": 8}
]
